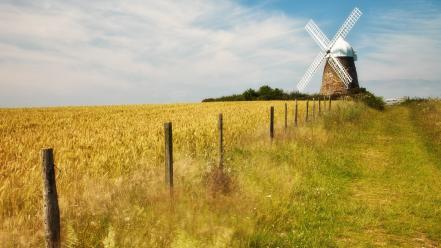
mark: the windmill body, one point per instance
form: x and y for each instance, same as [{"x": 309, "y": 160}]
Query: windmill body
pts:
[
  {"x": 332, "y": 84},
  {"x": 340, "y": 74}
]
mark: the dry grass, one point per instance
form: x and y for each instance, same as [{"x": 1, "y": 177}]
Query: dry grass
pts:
[{"x": 109, "y": 164}]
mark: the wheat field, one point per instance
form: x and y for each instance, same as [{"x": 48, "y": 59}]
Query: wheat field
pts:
[{"x": 109, "y": 163}]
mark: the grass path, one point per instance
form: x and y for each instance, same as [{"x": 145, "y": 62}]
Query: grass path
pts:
[
  {"x": 365, "y": 179},
  {"x": 397, "y": 193}
]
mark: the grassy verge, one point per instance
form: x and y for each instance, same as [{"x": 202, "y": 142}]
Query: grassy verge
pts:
[{"x": 427, "y": 118}]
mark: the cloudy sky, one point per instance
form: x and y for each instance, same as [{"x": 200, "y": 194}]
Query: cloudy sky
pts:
[{"x": 78, "y": 52}]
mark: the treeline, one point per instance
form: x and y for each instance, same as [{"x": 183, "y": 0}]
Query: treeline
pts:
[{"x": 264, "y": 93}]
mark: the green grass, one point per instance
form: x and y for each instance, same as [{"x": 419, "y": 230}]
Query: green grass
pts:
[
  {"x": 368, "y": 179},
  {"x": 398, "y": 192}
]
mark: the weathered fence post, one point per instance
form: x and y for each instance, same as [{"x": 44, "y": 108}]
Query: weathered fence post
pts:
[
  {"x": 313, "y": 108},
  {"x": 221, "y": 141},
  {"x": 168, "y": 135},
  {"x": 286, "y": 116},
  {"x": 50, "y": 200},
  {"x": 329, "y": 103},
  {"x": 295, "y": 114},
  {"x": 307, "y": 111},
  {"x": 319, "y": 107},
  {"x": 272, "y": 122}
]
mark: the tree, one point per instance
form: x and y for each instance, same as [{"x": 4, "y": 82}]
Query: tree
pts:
[
  {"x": 266, "y": 93},
  {"x": 250, "y": 95}
]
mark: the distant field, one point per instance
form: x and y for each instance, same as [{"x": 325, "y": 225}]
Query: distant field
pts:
[{"x": 355, "y": 177}]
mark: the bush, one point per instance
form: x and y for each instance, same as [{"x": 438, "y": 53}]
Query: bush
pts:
[
  {"x": 374, "y": 102},
  {"x": 412, "y": 100},
  {"x": 371, "y": 100}
]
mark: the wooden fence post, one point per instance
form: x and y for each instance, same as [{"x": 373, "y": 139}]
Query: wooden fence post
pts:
[
  {"x": 295, "y": 114},
  {"x": 329, "y": 103},
  {"x": 319, "y": 106},
  {"x": 168, "y": 135},
  {"x": 307, "y": 111},
  {"x": 286, "y": 116},
  {"x": 313, "y": 108},
  {"x": 272, "y": 122},
  {"x": 221, "y": 141},
  {"x": 50, "y": 200}
]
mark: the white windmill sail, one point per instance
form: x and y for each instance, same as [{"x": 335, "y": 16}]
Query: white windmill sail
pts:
[
  {"x": 347, "y": 26},
  {"x": 340, "y": 70},
  {"x": 317, "y": 35},
  {"x": 326, "y": 45},
  {"x": 310, "y": 72}
]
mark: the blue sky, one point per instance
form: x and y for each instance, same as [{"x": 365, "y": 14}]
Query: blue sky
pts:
[{"x": 136, "y": 51}]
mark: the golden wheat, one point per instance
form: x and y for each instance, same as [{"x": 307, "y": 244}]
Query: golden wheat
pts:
[{"x": 109, "y": 164}]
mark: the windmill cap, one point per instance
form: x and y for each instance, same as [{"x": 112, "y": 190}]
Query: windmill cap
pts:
[{"x": 341, "y": 48}]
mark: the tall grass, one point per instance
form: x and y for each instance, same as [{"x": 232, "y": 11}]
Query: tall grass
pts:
[{"x": 427, "y": 117}]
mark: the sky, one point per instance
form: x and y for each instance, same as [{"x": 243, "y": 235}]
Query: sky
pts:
[{"x": 78, "y": 52}]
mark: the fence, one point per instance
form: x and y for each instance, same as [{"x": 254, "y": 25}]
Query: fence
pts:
[{"x": 51, "y": 212}]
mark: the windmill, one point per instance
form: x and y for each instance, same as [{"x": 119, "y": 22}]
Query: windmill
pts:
[{"x": 339, "y": 74}]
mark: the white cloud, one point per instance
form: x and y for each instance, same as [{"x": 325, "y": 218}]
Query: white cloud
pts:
[
  {"x": 116, "y": 52},
  {"x": 145, "y": 51},
  {"x": 401, "y": 53}
]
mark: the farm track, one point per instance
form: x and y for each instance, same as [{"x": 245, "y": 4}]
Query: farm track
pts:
[{"x": 397, "y": 191}]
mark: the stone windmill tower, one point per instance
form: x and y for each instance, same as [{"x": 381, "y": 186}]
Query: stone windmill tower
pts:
[
  {"x": 340, "y": 74},
  {"x": 332, "y": 84}
]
